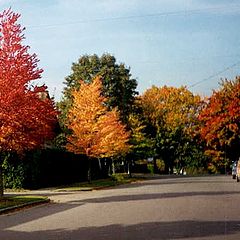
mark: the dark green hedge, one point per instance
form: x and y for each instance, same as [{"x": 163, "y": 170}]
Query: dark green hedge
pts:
[{"x": 48, "y": 167}]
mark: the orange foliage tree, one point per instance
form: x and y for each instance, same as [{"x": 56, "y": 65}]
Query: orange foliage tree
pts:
[
  {"x": 26, "y": 120},
  {"x": 96, "y": 132},
  {"x": 170, "y": 106},
  {"x": 172, "y": 112},
  {"x": 221, "y": 123}
]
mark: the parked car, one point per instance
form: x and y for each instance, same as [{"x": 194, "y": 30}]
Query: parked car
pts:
[
  {"x": 234, "y": 169},
  {"x": 238, "y": 171}
]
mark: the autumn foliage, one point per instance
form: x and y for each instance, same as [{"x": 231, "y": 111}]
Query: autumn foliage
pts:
[
  {"x": 170, "y": 107},
  {"x": 221, "y": 121},
  {"x": 26, "y": 119},
  {"x": 96, "y": 132},
  {"x": 172, "y": 114},
  {"x": 168, "y": 122}
]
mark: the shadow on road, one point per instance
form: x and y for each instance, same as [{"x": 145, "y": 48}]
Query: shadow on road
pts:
[
  {"x": 154, "y": 230},
  {"x": 159, "y": 180},
  {"x": 176, "y": 182},
  {"x": 28, "y": 215},
  {"x": 151, "y": 196}
]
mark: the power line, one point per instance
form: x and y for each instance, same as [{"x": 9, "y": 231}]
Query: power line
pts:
[
  {"x": 160, "y": 14},
  {"x": 215, "y": 74}
]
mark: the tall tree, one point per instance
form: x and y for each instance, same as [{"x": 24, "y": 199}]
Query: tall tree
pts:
[
  {"x": 172, "y": 113},
  {"x": 96, "y": 131},
  {"x": 26, "y": 119},
  {"x": 118, "y": 86},
  {"x": 221, "y": 122}
]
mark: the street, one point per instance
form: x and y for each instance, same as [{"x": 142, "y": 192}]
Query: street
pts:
[{"x": 205, "y": 207}]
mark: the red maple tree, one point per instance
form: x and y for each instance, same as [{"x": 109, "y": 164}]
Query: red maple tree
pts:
[
  {"x": 26, "y": 119},
  {"x": 221, "y": 122}
]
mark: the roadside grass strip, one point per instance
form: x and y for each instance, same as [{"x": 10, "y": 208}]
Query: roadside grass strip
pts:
[
  {"x": 98, "y": 184},
  {"x": 10, "y": 203}
]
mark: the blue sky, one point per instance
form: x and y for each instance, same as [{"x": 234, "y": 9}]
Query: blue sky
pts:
[{"x": 193, "y": 43}]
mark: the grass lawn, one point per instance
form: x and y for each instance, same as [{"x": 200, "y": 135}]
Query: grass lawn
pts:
[{"x": 9, "y": 202}]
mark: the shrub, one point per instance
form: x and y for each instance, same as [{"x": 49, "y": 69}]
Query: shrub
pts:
[
  {"x": 150, "y": 167},
  {"x": 160, "y": 165},
  {"x": 13, "y": 173}
]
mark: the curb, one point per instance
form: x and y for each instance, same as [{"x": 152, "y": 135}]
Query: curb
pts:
[
  {"x": 75, "y": 190},
  {"x": 24, "y": 205}
]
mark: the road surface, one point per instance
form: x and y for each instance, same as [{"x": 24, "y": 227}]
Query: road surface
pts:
[{"x": 165, "y": 208}]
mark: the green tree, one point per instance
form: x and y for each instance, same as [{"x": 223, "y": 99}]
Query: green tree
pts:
[
  {"x": 118, "y": 86},
  {"x": 142, "y": 145}
]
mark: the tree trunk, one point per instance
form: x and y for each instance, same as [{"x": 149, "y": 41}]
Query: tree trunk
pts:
[
  {"x": 1, "y": 180},
  {"x": 89, "y": 174},
  {"x": 155, "y": 165},
  {"x": 99, "y": 164},
  {"x": 110, "y": 167},
  {"x": 113, "y": 167},
  {"x": 129, "y": 170},
  {"x": 167, "y": 169}
]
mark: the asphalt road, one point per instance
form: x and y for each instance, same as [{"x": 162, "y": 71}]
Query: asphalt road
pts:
[{"x": 166, "y": 208}]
